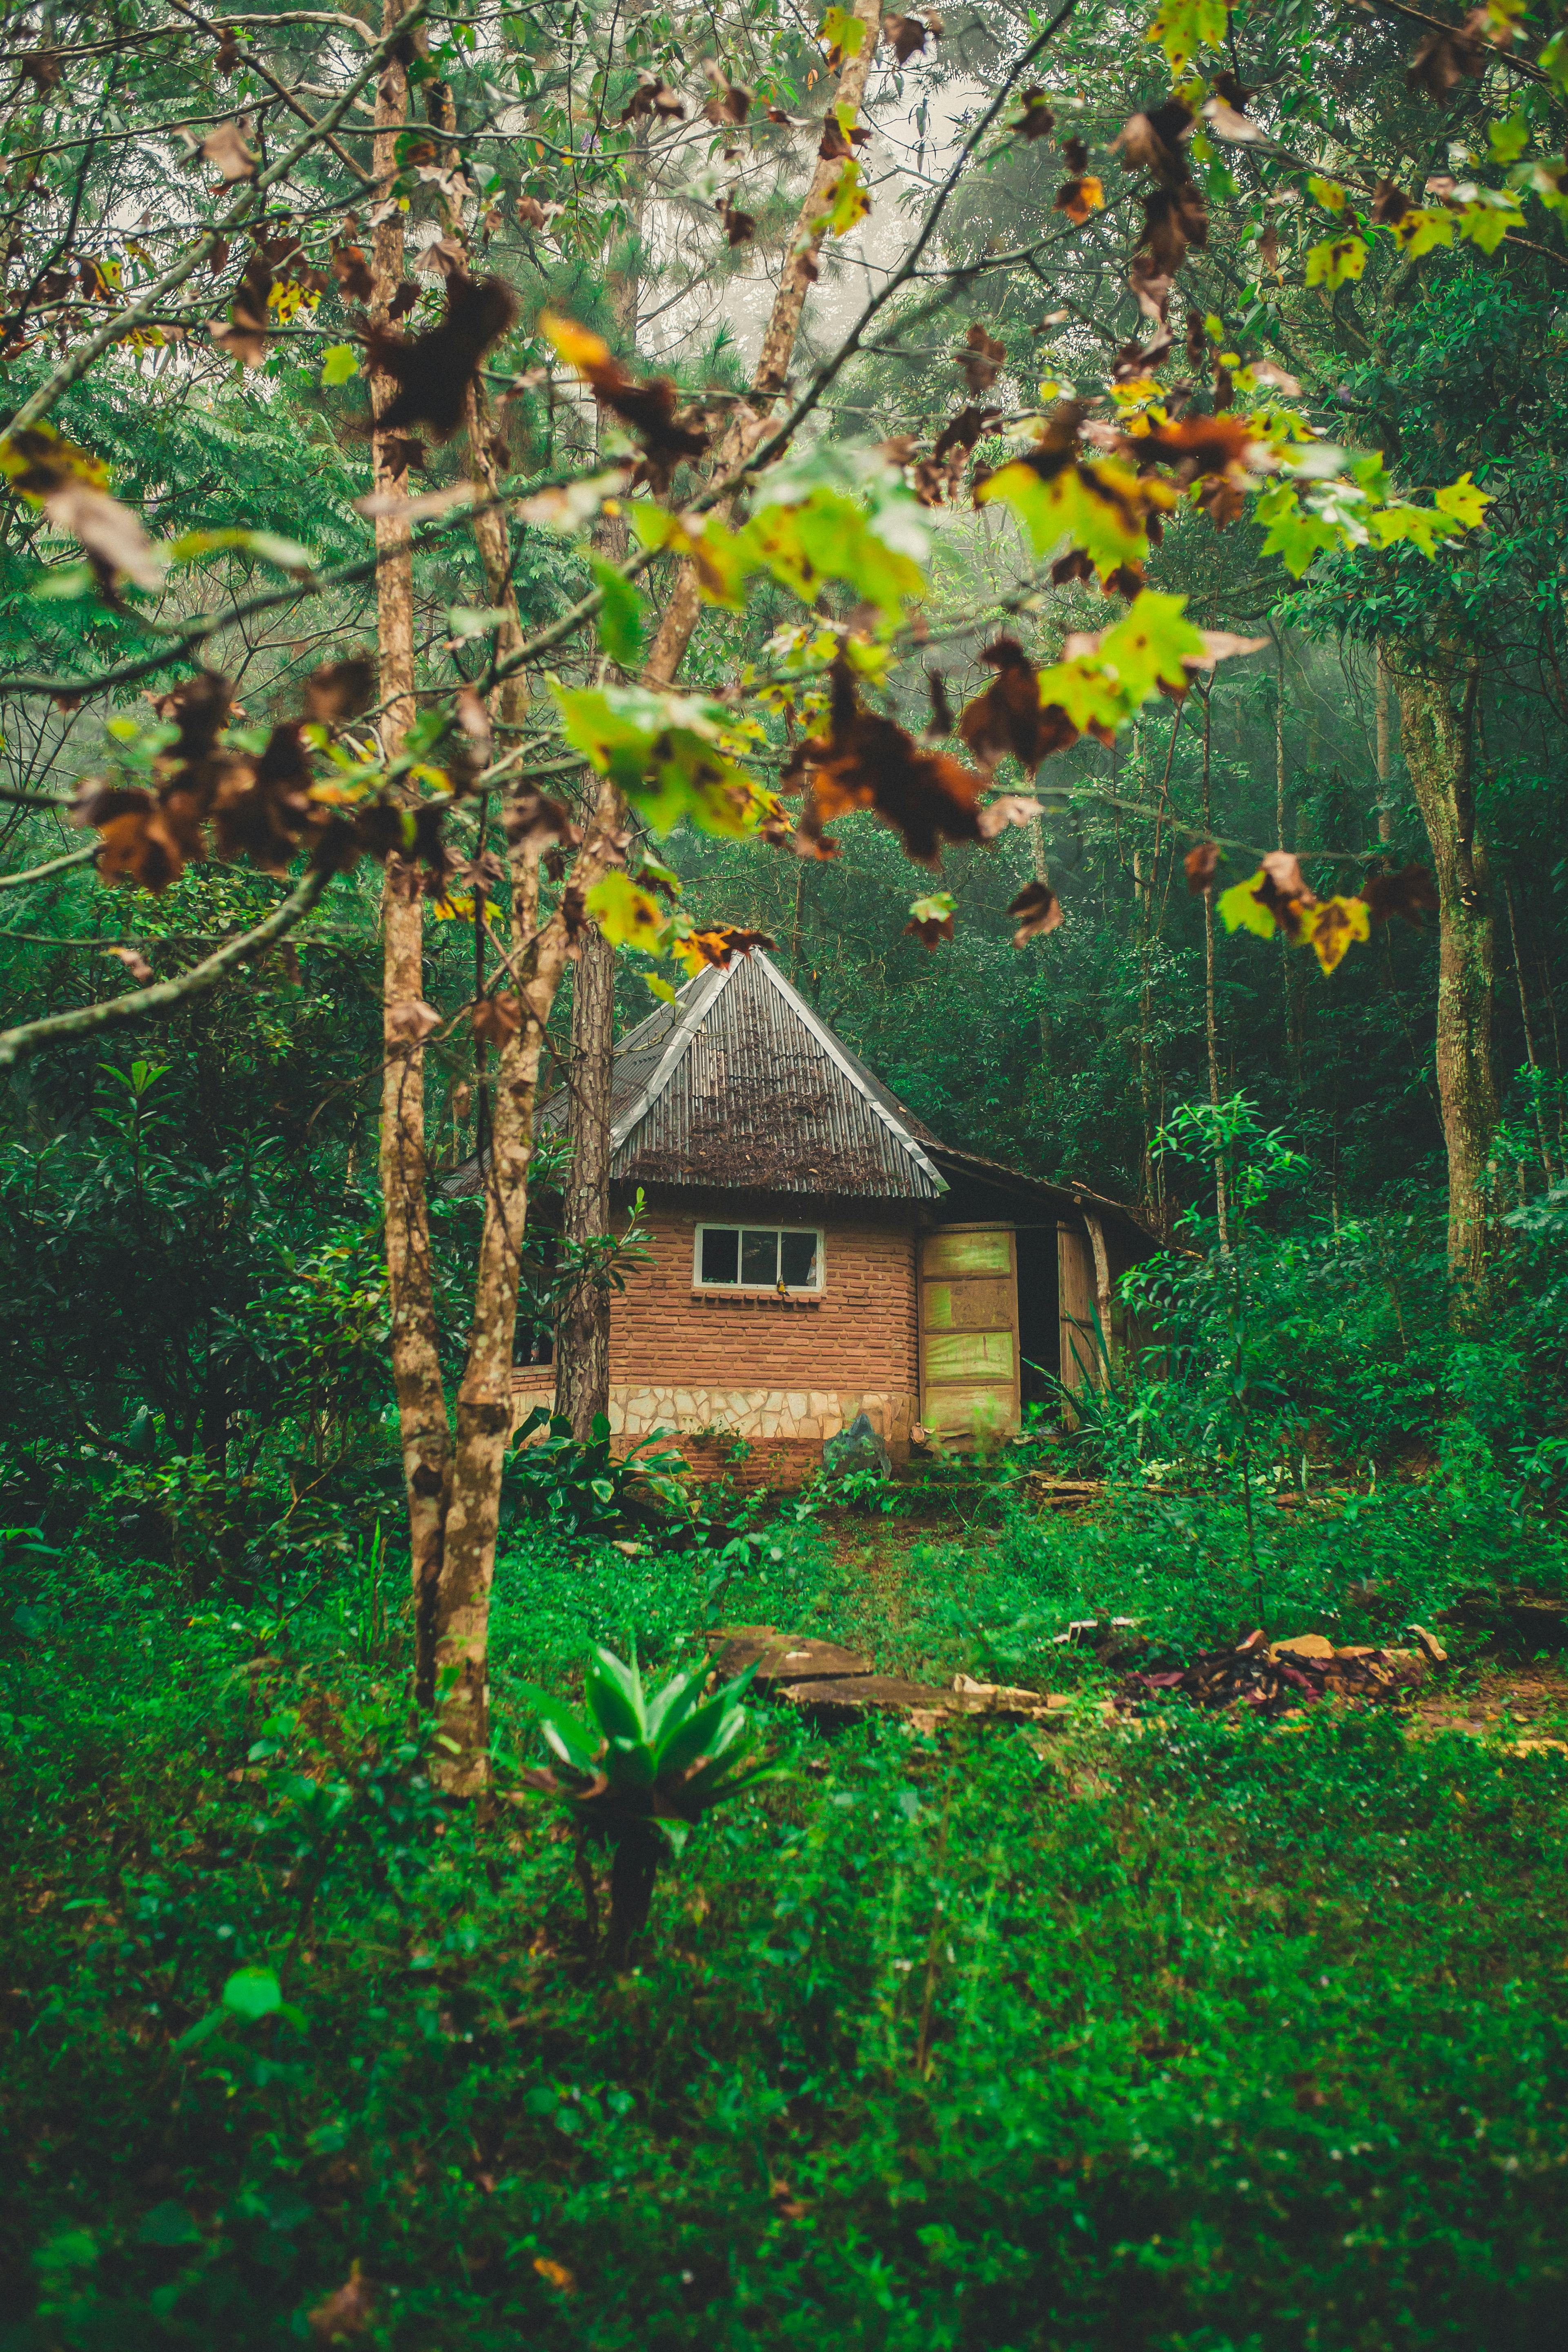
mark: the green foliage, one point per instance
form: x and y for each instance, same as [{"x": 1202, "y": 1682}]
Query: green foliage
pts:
[
  {"x": 583, "y": 1489},
  {"x": 932, "y": 2041}
]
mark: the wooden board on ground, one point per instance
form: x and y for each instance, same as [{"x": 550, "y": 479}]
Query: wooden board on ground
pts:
[{"x": 834, "y": 1684}]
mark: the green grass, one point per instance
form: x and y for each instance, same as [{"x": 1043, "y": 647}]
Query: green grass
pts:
[{"x": 1205, "y": 2039}]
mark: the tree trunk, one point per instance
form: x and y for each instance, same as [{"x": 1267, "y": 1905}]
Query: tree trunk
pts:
[
  {"x": 583, "y": 1321},
  {"x": 1439, "y": 745},
  {"x": 415, "y": 1360},
  {"x": 583, "y": 1328},
  {"x": 778, "y": 349}
]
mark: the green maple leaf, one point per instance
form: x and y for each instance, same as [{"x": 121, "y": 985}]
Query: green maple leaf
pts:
[
  {"x": 1336, "y": 262},
  {"x": 1464, "y": 501},
  {"x": 668, "y": 754},
  {"x": 1422, "y": 526},
  {"x": 1487, "y": 224},
  {"x": 1182, "y": 26},
  {"x": 340, "y": 362},
  {"x": 627, "y": 916},
  {"x": 1096, "y": 507},
  {"x": 1294, "y": 536},
  {"x": 1421, "y": 230},
  {"x": 620, "y": 616},
  {"x": 1239, "y": 910}
]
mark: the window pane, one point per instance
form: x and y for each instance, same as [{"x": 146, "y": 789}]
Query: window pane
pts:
[
  {"x": 720, "y": 1253},
  {"x": 760, "y": 1257},
  {"x": 798, "y": 1260}
]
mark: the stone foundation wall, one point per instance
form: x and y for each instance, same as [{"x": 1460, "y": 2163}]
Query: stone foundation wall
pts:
[{"x": 793, "y": 1415}]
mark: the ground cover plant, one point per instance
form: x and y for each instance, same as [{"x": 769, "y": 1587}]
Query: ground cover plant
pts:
[{"x": 1206, "y": 2033}]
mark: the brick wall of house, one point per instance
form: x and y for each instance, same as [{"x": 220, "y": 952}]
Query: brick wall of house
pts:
[{"x": 858, "y": 1332}]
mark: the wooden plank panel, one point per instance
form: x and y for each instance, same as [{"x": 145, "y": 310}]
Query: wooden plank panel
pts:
[
  {"x": 968, "y": 1250},
  {"x": 958, "y": 1409},
  {"x": 1081, "y": 1359},
  {"x": 969, "y": 1330},
  {"x": 981, "y": 1304},
  {"x": 970, "y": 1356}
]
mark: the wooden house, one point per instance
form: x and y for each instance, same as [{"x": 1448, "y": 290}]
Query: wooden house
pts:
[{"x": 816, "y": 1252}]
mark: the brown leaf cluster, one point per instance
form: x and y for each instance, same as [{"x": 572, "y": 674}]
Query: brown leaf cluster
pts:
[
  {"x": 731, "y": 102},
  {"x": 257, "y": 804},
  {"x": 1410, "y": 893},
  {"x": 670, "y": 436},
  {"x": 1036, "y": 121},
  {"x": 654, "y": 98},
  {"x": 1275, "y": 1678},
  {"x": 907, "y": 36},
  {"x": 982, "y": 358},
  {"x": 1449, "y": 55},
  {"x": 1038, "y": 911},
  {"x": 433, "y": 371},
  {"x": 866, "y": 762},
  {"x": 1009, "y": 716}
]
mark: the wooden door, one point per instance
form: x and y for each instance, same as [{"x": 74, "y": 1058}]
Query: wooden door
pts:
[
  {"x": 1082, "y": 1355},
  {"x": 969, "y": 1331}
]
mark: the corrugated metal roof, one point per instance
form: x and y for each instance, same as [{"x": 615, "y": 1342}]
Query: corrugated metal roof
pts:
[{"x": 739, "y": 1084}]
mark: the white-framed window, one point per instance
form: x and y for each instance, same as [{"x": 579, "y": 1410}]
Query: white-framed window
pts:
[{"x": 757, "y": 1257}]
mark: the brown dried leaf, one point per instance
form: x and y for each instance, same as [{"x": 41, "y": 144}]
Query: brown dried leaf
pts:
[
  {"x": 352, "y": 271},
  {"x": 982, "y": 358},
  {"x": 655, "y": 97},
  {"x": 340, "y": 691},
  {"x": 474, "y": 720},
  {"x": 1009, "y": 716},
  {"x": 1200, "y": 866},
  {"x": 433, "y": 371},
  {"x": 1007, "y": 808},
  {"x": 112, "y": 534},
  {"x": 669, "y": 437},
  {"x": 1036, "y": 121},
  {"x": 724, "y": 942},
  {"x": 347, "y": 2311},
  {"x": 731, "y": 101},
  {"x": 531, "y": 820},
  {"x": 409, "y": 1020},
  {"x": 1038, "y": 911},
  {"x": 1448, "y": 56},
  {"x": 496, "y": 1020},
  {"x": 200, "y": 707},
  {"x": 739, "y": 227},
  {"x": 906, "y": 36},
  {"x": 135, "y": 962},
  {"x": 1409, "y": 893},
  {"x": 867, "y": 761},
  {"x": 941, "y": 722},
  {"x": 1152, "y": 141},
  {"x": 226, "y": 147}
]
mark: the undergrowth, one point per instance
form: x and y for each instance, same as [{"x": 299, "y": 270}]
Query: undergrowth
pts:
[{"x": 1207, "y": 2039}]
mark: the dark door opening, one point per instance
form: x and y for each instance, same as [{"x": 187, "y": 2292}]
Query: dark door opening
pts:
[{"x": 1040, "y": 1337}]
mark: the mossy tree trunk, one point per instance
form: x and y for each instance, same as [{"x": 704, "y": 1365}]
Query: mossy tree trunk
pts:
[{"x": 1437, "y": 697}]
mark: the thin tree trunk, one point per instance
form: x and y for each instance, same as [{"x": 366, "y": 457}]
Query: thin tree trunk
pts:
[
  {"x": 1439, "y": 742},
  {"x": 583, "y": 1330},
  {"x": 415, "y": 1357},
  {"x": 1211, "y": 1019},
  {"x": 1384, "y": 751},
  {"x": 778, "y": 349},
  {"x": 583, "y": 1321},
  {"x": 1528, "y": 1029}
]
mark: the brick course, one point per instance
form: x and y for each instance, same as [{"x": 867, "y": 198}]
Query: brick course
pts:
[
  {"x": 858, "y": 1332},
  {"x": 785, "y": 1373}
]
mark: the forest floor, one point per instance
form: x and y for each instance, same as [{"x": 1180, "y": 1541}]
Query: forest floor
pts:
[{"x": 1213, "y": 2035}]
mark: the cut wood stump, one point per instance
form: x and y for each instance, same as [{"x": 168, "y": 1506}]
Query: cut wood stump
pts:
[{"x": 832, "y": 1684}]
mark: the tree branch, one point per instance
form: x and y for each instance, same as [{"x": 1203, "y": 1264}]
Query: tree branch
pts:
[{"x": 142, "y": 1004}]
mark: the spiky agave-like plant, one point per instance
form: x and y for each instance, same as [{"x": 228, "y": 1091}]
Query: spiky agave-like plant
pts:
[{"x": 637, "y": 1773}]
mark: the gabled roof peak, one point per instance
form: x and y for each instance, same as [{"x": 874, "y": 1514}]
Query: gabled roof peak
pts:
[{"x": 740, "y": 1083}]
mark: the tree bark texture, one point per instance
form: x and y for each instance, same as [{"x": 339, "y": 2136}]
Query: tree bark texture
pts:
[
  {"x": 583, "y": 1328},
  {"x": 415, "y": 1360},
  {"x": 773, "y": 365},
  {"x": 1438, "y": 739},
  {"x": 583, "y": 1322}
]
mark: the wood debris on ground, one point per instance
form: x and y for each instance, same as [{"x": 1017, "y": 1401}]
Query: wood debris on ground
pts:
[
  {"x": 1276, "y": 1678},
  {"x": 836, "y": 1685}
]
